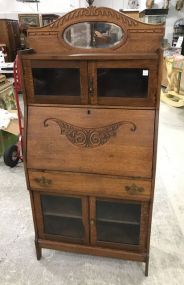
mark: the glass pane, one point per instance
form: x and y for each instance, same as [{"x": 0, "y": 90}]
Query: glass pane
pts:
[
  {"x": 61, "y": 206},
  {"x": 118, "y": 222},
  {"x": 56, "y": 81},
  {"x": 62, "y": 216},
  {"x": 122, "y": 82},
  {"x": 118, "y": 212},
  {"x": 66, "y": 227},
  {"x": 93, "y": 35},
  {"x": 118, "y": 233}
]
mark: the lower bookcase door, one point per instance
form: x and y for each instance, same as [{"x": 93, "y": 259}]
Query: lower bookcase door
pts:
[
  {"x": 92, "y": 221},
  {"x": 119, "y": 224},
  {"x": 61, "y": 217}
]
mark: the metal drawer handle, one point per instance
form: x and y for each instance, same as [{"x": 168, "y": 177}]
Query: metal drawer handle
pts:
[
  {"x": 43, "y": 181},
  {"x": 134, "y": 189}
]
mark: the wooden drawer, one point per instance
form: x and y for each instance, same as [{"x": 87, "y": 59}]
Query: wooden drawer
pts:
[
  {"x": 89, "y": 184},
  {"x": 98, "y": 141}
]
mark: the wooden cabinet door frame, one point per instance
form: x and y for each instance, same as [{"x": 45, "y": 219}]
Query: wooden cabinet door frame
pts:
[
  {"x": 143, "y": 227},
  {"x": 40, "y": 218},
  {"x": 46, "y": 99},
  {"x": 148, "y": 101}
]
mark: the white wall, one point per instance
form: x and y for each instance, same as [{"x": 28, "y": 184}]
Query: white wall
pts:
[
  {"x": 10, "y": 8},
  {"x": 172, "y": 17},
  {"x": 115, "y": 4}
]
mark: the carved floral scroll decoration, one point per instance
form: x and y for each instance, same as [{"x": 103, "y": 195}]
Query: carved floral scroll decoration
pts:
[{"x": 89, "y": 137}]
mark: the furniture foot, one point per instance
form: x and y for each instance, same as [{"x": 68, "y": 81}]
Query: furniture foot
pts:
[
  {"x": 38, "y": 250},
  {"x": 147, "y": 266}
]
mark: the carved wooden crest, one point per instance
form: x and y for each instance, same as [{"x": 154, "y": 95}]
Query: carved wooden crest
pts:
[{"x": 135, "y": 33}]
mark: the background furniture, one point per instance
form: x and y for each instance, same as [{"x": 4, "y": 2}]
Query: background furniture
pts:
[
  {"x": 91, "y": 118},
  {"x": 26, "y": 21},
  {"x": 9, "y": 35},
  {"x": 178, "y": 30},
  {"x": 48, "y": 18},
  {"x": 30, "y": 20},
  {"x": 174, "y": 93},
  {"x": 7, "y": 99},
  {"x": 153, "y": 15}
]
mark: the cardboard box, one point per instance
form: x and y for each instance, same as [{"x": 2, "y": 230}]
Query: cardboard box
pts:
[{"x": 13, "y": 127}]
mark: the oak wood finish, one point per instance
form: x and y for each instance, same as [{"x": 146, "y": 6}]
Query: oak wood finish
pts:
[
  {"x": 88, "y": 73},
  {"x": 134, "y": 32},
  {"x": 89, "y": 184},
  {"x": 40, "y": 220},
  {"x": 127, "y": 152},
  {"x": 94, "y": 250},
  {"x": 90, "y": 147}
]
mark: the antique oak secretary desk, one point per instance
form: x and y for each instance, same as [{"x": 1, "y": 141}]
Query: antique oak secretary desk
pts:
[{"x": 91, "y": 86}]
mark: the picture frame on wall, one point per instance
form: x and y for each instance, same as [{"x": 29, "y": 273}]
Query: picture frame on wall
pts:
[
  {"x": 48, "y": 18},
  {"x": 32, "y": 20}
]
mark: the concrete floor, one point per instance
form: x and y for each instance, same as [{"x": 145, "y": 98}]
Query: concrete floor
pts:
[{"x": 18, "y": 264}]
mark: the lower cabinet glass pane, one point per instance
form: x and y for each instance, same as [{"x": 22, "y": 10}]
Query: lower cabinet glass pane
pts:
[
  {"x": 61, "y": 206},
  {"x": 119, "y": 212},
  {"x": 62, "y": 216},
  {"x": 118, "y": 233},
  {"x": 65, "y": 227},
  {"x": 118, "y": 221}
]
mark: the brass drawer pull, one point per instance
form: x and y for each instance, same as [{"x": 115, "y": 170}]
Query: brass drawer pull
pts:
[
  {"x": 42, "y": 181},
  {"x": 134, "y": 189}
]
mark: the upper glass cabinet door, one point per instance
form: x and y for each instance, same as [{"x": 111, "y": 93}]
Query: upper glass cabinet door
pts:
[
  {"x": 57, "y": 82},
  {"x": 122, "y": 82},
  {"x": 93, "y": 35}
]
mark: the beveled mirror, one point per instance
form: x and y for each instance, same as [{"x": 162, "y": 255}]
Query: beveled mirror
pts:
[{"x": 93, "y": 35}]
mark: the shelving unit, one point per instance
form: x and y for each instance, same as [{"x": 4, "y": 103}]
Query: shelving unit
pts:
[
  {"x": 153, "y": 16},
  {"x": 92, "y": 103}
]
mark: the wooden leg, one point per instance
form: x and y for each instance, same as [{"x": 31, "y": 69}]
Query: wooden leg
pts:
[
  {"x": 38, "y": 250},
  {"x": 147, "y": 266}
]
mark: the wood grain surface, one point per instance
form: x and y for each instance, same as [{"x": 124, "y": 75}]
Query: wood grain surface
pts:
[{"x": 127, "y": 153}]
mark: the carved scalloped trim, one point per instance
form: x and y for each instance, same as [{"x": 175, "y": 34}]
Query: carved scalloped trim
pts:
[
  {"x": 81, "y": 13},
  {"x": 90, "y": 14}
]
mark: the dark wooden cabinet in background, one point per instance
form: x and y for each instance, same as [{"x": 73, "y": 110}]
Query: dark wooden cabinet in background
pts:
[
  {"x": 91, "y": 89},
  {"x": 10, "y": 35}
]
